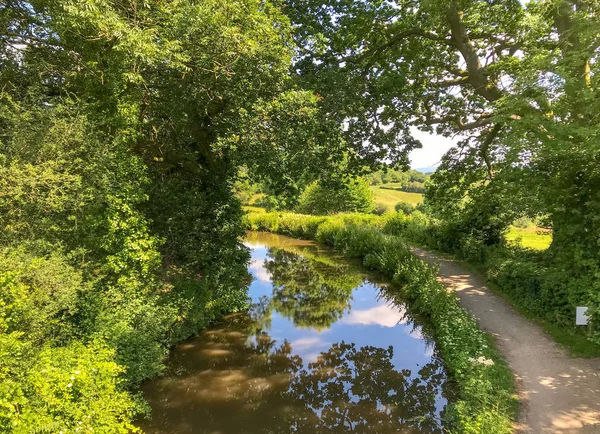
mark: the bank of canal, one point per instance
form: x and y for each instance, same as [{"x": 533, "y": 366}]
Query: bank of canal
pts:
[{"x": 323, "y": 350}]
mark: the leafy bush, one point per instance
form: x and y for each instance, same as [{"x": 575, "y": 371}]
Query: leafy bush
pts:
[
  {"x": 395, "y": 224},
  {"x": 406, "y": 207},
  {"x": 523, "y": 222},
  {"x": 381, "y": 209},
  {"x": 351, "y": 196},
  {"x": 66, "y": 389},
  {"x": 414, "y": 187}
]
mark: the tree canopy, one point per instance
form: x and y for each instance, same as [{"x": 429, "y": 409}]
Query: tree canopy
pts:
[
  {"x": 516, "y": 82},
  {"x": 123, "y": 127},
  {"x": 125, "y": 124}
]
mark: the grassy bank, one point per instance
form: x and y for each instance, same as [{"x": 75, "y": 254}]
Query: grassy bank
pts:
[{"x": 486, "y": 401}]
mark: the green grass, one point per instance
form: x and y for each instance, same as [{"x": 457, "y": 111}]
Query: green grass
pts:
[
  {"x": 571, "y": 338},
  {"x": 390, "y": 198},
  {"x": 532, "y": 238}
]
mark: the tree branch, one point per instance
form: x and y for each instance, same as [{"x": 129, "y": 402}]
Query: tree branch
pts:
[
  {"x": 460, "y": 38},
  {"x": 450, "y": 83},
  {"x": 414, "y": 31},
  {"x": 483, "y": 120},
  {"x": 485, "y": 147}
]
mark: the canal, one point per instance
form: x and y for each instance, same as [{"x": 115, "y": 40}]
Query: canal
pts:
[{"x": 323, "y": 349}]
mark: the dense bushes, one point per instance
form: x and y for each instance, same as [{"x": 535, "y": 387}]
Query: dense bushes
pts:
[
  {"x": 533, "y": 280},
  {"x": 120, "y": 146},
  {"x": 350, "y": 196},
  {"x": 92, "y": 293},
  {"x": 405, "y": 207},
  {"x": 485, "y": 403}
]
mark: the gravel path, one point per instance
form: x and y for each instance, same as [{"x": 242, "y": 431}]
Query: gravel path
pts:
[{"x": 559, "y": 394}]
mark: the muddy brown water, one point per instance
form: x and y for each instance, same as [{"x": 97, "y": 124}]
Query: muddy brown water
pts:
[{"x": 323, "y": 349}]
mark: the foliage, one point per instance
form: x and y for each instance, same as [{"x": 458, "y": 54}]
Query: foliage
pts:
[
  {"x": 410, "y": 181},
  {"x": 523, "y": 274},
  {"x": 320, "y": 198},
  {"x": 516, "y": 81},
  {"x": 70, "y": 388},
  {"x": 125, "y": 129},
  {"x": 486, "y": 403},
  {"x": 406, "y": 207}
]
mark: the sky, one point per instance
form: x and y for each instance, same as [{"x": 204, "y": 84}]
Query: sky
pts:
[{"x": 434, "y": 147}]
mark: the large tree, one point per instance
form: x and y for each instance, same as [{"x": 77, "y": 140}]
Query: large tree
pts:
[
  {"x": 516, "y": 83},
  {"x": 123, "y": 126}
]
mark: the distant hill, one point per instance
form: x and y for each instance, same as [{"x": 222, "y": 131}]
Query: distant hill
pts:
[{"x": 426, "y": 170}]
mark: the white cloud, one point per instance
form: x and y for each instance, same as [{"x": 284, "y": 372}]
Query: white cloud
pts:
[
  {"x": 415, "y": 333},
  {"x": 387, "y": 315},
  {"x": 434, "y": 147},
  {"x": 308, "y": 342},
  {"x": 258, "y": 270}
]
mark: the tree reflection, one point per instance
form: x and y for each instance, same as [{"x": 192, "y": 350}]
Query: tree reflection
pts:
[
  {"x": 310, "y": 293},
  {"x": 359, "y": 391},
  {"x": 230, "y": 383}
]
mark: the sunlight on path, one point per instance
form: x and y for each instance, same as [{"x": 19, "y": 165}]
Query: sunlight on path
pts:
[{"x": 559, "y": 394}]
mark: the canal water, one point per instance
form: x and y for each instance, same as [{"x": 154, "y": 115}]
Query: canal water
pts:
[{"x": 322, "y": 350}]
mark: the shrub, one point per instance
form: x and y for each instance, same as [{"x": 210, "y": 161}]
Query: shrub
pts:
[
  {"x": 64, "y": 389},
  {"x": 321, "y": 199},
  {"x": 381, "y": 209},
  {"x": 406, "y": 207},
  {"x": 395, "y": 224},
  {"x": 523, "y": 222},
  {"x": 414, "y": 187}
]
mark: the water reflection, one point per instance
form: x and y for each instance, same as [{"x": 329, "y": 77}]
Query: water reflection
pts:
[
  {"x": 310, "y": 294},
  {"x": 322, "y": 352}
]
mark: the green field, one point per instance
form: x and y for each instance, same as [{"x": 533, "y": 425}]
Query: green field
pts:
[
  {"x": 390, "y": 198},
  {"x": 533, "y": 238}
]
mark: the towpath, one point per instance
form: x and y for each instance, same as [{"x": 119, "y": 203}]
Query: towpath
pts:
[{"x": 559, "y": 394}]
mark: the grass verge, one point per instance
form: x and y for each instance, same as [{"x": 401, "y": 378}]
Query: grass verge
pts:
[
  {"x": 486, "y": 400},
  {"x": 576, "y": 343}
]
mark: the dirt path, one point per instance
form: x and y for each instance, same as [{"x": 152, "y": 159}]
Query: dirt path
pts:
[{"x": 559, "y": 394}]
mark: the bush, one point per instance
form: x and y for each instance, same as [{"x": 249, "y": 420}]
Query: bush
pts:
[
  {"x": 523, "y": 222},
  {"x": 395, "y": 224},
  {"x": 381, "y": 209},
  {"x": 66, "y": 389},
  {"x": 414, "y": 187},
  {"x": 406, "y": 207},
  {"x": 320, "y": 199}
]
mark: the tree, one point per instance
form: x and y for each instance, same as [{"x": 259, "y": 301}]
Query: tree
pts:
[
  {"x": 518, "y": 84},
  {"x": 123, "y": 128},
  {"x": 336, "y": 196}
]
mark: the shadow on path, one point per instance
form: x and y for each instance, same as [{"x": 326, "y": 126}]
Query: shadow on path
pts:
[{"x": 559, "y": 394}]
